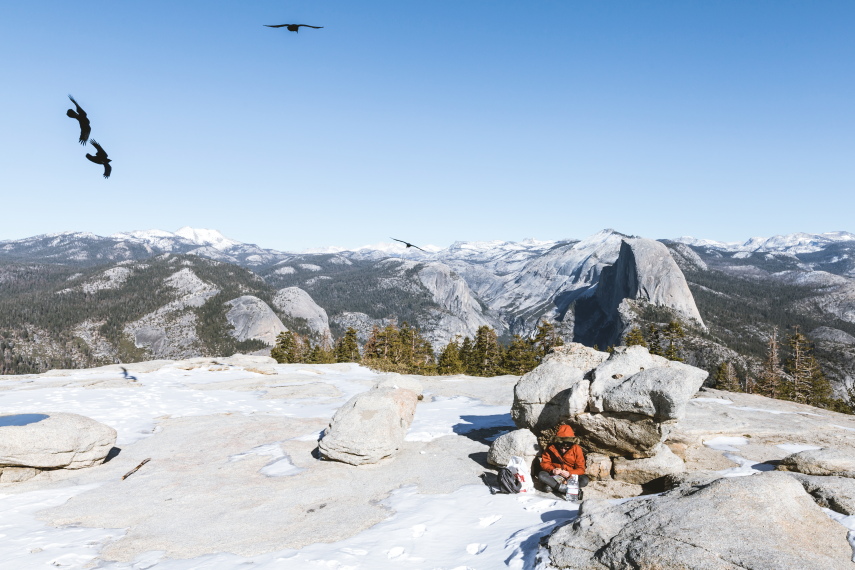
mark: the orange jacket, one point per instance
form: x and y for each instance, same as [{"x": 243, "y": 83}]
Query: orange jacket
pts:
[{"x": 572, "y": 461}]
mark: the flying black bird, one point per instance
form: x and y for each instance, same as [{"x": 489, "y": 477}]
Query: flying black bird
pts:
[
  {"x": 81, "y": 117},
  {"x": 408, "y": 244},
  {"x": 126, "y": 375},
  {"x": 100, "y": 158},
  {"x": 294, "y": 27}
]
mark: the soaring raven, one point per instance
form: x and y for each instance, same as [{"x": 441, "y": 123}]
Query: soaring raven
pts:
[
  {"x": 100, "y": 158},
  {"x": 408, "y": 244},
  {"x": 294, "y": 27},
  {"x": 81, "y": 117},
  {"x": 127, "y": 376}
]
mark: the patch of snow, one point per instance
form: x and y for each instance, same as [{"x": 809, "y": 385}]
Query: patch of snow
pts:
[
  {"x": 745, "y": 467},
  {"x": 280, "y": 465},
  {"x": 725, "y": 443},
  {"x": 848, "y": 522},
  {"x": 26, "y": 542},
  {"x": 287, "y": 270},
  {"x": 169, "y": 391},
  {"x": 796, "y": 447},
  {"x": 309, "y": 266},
  {"x": 446, "y": 416},
  {"x": 712, "y": 400}
]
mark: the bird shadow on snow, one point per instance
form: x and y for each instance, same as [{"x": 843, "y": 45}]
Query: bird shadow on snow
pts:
[{"x": 114, "y": 452}]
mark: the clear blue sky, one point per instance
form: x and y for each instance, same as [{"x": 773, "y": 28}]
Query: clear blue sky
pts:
[{"x": 431, "y": 121}]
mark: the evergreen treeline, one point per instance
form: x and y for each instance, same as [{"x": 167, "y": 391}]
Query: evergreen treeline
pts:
[
  {"x": 662, "y": 341},
  {"x": 403, "y": 349},
  {"x": 789, "y": 372}
]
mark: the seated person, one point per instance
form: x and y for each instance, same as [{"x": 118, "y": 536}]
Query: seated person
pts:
[{"x": 561, "y": 460}]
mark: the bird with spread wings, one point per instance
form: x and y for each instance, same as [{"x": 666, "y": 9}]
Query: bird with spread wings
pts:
[
  {"x": 408, "y": 244},
  {"x": 81, "y": 117},
  {"x": 101, "y": 158},
  {"x": 293, "y": 27}
]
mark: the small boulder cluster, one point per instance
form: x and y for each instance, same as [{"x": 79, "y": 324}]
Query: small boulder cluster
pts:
[
  {"x": 622, "y": 406},
  {"x": 31, "y": 443},
  {"x": 372, "y": 425}
]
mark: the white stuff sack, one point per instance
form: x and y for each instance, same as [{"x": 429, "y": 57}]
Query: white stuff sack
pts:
[{"x": 520, "y": 470}]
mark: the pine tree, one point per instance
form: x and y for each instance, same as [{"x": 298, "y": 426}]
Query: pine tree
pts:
[
  {"x": 423, "y": 359},
  {"x": 521, "y": 356},
  {"x": 654, "y": 336},
  {"x": 726, "y": 378},
  {"x": 288, "y": 348},
  {"x": 449, "y": 359},
  {"x": 808, "y": 385},
  {"x": 635, "y": 337},
  {"x": 347, "y": 347},
  {"x": 487, "y": 355},
  {"x": 771, "y": 375},
  {"x": 545, "y": 339},
  {"x": 467, "y": 357},
  {"x": 674, "y": 333}
]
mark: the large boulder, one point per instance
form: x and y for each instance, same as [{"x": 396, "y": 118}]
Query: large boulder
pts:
[
  {"x": 661, "y": 393},
  {"x": 762, "y": 522},
  {"x": 395, "y": 380},
  {"x": 370, "y": 426},
  {"x": 823, "y": 461},
  {"x": 520, "y": 442},
  {"x": 555, "y": 390},
  {"x": 835, "y": 493},
  {"x": 623, "y": 362},
  {"x": 598, "y": 466},
  {"x": 31, "y": 442},
  {"x": 619, "y": 435},
  {"x": 641, "y": 471}
]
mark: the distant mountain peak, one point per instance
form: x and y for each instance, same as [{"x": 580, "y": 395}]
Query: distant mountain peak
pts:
[
  {"x": 203, "y": 236},
  {"x": 198, "y": 236}
]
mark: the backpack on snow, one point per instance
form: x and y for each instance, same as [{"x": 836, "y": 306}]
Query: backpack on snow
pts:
[{"x": 507, "y": 481}]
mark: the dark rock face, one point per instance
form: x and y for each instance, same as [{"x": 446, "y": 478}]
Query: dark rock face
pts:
[{"x": 644, "y": 270}]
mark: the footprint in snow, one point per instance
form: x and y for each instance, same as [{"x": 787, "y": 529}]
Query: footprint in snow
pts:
[
  {"x": 541, "y": 505},
  {"x": 419, "y": 530},
  {"x": 487, "y": 521},
  {"x": 396, "y": 553},
  {"x": 476, "y": 548}
]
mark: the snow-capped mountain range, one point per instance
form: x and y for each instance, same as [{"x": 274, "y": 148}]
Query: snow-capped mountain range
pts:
[
  {"x": 509, "y": 286},
  {"x": 210, "y": 241},
  {"x": 790, "y": 243}
]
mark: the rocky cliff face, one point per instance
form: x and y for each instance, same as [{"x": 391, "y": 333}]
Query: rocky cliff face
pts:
[
  {"x": 252, "y": 318},
  {"x": 644, "y": 270},
  {"x": 458, "y": 311},
  {"x": 297, "y": 305}
]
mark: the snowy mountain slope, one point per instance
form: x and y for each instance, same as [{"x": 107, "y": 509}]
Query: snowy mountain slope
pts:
[{"x": 790, "y": 243}]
